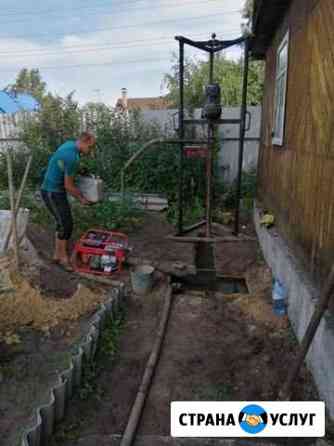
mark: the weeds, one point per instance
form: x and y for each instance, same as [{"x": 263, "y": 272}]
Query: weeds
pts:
[
  {"x": 215, "y": 392},
  {"x": 107, "y": 215},
  {"x": 90, "y": 390},
  {"x": 108, "y": 351}
]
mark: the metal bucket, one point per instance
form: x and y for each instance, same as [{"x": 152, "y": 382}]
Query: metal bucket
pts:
[{"x": 142, "y": 279}]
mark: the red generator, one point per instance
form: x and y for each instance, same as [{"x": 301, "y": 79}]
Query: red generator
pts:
[{"x": 100, "y": 252}]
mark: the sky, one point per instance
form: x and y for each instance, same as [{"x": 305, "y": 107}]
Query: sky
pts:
[{"x": 97, "y": 47}]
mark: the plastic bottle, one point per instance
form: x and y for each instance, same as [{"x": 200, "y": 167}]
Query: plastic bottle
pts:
[{"x": 279, "y": 298}]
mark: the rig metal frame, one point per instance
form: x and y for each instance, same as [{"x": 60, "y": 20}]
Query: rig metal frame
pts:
[{"x": 212, "y": 47}]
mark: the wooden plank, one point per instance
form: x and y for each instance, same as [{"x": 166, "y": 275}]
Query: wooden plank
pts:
[{"x": 186, "y": 239}]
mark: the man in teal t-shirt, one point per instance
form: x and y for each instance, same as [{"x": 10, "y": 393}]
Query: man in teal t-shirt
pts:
[
  {"x": 64, "y": 161},
  {"x": 58, "y": 181}
]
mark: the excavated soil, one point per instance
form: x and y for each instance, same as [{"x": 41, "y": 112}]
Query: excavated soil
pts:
[
  {"x": 216, "y": 348},
  {"x": 47, "y": 312}
]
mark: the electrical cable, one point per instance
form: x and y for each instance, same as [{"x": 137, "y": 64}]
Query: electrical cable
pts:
[
  {"x": 64, "y": 13},
  {"x": 138, "y": 25},
  {"x": 79, "y": 49},
  {"x": 105, "y": 64}
]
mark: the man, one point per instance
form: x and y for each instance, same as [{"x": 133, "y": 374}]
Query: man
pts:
[{"x": 58, "y": 181}]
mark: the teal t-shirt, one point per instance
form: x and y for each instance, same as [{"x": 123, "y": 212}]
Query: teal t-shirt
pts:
[{"x": 63, "y": 162}]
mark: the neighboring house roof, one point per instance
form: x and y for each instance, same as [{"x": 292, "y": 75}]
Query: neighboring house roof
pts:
[
  {"x": 13, "y": 104},
  {"x": 268, "y": 15},
  {"x": 158, "y": 103}
]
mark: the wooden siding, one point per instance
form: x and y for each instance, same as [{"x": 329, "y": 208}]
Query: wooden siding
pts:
[{"x": 296, "y": 181}]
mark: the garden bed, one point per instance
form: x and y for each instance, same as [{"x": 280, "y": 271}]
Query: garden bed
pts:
[{"x": 47, "y": 314}]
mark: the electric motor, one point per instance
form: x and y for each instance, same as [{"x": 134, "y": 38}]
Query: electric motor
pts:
[{"x": 212, "y": 109}]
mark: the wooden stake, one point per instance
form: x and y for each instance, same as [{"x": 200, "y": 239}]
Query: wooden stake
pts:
[
  {"x": 12, "y": 206},
  {"x": 312, "y": 328},
  {"x": 18, "y": 201}
]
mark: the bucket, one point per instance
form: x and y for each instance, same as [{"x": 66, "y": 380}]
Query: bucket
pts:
[
  {"x": 142, "y": 279},
  {"x": 91, "y": 188}
]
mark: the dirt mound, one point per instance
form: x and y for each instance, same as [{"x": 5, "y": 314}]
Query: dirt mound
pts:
[{"x": 24, "y": 306}]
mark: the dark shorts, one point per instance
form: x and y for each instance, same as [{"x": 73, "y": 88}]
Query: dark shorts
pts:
[{"x": 59, "y": 207}]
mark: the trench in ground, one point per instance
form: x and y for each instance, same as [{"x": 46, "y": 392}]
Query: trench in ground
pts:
[{"x": 214, "y": 349}]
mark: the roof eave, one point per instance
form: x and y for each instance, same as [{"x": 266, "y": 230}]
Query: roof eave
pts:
[{"x": 268, "y": 15}]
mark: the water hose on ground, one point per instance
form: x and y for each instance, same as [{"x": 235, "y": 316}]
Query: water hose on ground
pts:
[{"x": 137, "y": 409}]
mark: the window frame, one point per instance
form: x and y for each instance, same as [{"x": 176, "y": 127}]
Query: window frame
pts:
[{"x": 279, "y": 140}]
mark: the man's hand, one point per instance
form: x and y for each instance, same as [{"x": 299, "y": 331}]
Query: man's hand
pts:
[
  {"x": 84, "y": 201},
  {"x": 74, "y": 191}
]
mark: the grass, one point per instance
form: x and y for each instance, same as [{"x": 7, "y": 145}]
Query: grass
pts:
[
  {"x": 108, "y": 351},
  {"x": 107, "y": 215},
  {"x": 90, "y": 391},
  {"x": 215, "y": 392}
]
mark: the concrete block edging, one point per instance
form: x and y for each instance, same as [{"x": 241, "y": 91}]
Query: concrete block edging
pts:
[
  {"x": 302, "y": 299},
  {"x": 69, "y": 381}
]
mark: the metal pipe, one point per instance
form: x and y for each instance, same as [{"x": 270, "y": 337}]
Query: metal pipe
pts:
[
  {"x": 147, "y": 146},
  {"x": 242, "y": 137},
  {"x": 196, "y": 239},
  {"x": 206, "y": 45},
  {"x": 137, "y": 409},
  {"x": 194, "y": 226},
  {"x": 309, "y": 335},
  {"x": 204, "y": 121},
  {"x": 181, "y": 136},
  {"x": 209, "y": 161},
  {"x": 133, "y": 158},
  {"x": 211, "y": 61}
]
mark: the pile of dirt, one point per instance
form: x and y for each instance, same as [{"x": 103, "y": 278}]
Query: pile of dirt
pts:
[{"x": 25, "y": 306}]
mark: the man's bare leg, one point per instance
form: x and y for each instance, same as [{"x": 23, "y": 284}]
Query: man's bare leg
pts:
[
  {"x": 61, "y": 251},
  {"x": 56, "y": 255}
]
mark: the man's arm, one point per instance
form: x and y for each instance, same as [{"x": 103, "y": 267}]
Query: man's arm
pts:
[{"x": 71, "y": 188}]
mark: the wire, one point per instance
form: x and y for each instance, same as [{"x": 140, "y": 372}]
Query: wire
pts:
[
  {"x": 145, "y": 24},
  {"x": 103, "y": 4},
  {"x": 79, "y": 49},
  {"x": 112, "y": 11},
  {"x": 105, "y": 64}
]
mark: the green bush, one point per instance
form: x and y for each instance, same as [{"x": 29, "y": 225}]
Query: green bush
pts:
[
  {"x": 156, "y": 171},
  {"x": 248, "y": 190}
]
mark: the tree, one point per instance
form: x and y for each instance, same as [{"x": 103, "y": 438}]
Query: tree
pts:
[
  {"x": 228, "y": 74},
  {"x": 29, "y": 81},
  {"x": 248, "y": 9}
]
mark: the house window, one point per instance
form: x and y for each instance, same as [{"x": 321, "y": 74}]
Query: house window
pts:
[{"x": 280, "y": 91}]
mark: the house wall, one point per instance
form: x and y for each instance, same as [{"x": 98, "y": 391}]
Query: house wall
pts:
[{"x": 296, "y": 181}]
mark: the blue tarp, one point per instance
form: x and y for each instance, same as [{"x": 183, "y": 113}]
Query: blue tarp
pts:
[
  {"x": 7, "y": 103},
  {"x": 13, "y": 104},
  {"x": 27, "y": 102}
]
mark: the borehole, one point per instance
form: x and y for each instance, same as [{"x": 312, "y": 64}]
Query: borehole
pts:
[{"x": 207, "y": 278}]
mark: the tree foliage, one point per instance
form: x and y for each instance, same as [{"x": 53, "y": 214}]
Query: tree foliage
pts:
[
  {"x": 28, "y": 81},
  {"x": 228, "y": 73},
  {"x": 248, "y": 9}
]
